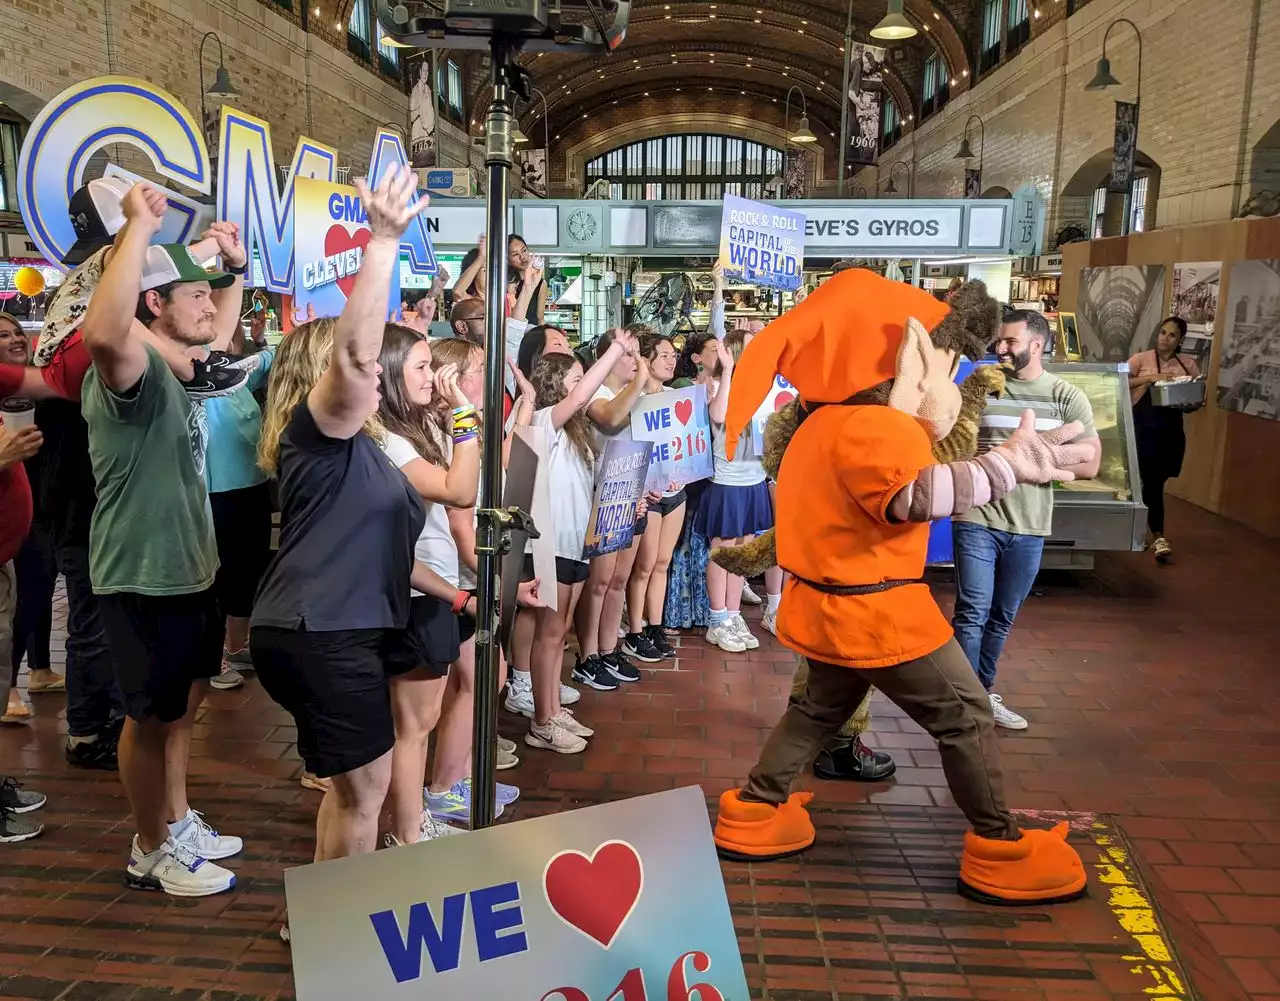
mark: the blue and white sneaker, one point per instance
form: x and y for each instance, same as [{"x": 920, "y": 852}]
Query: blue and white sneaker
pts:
[
  {"x": 455, "y": 803},
  {"x": 176, "y": 870},
  {"x": 202, "y": 839}
]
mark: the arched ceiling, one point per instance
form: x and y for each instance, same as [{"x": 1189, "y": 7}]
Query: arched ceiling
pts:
[{"x": 738, "y": 47}]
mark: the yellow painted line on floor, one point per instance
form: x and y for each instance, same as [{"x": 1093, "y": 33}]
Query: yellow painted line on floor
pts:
[{"x": 1154, "y": 962}]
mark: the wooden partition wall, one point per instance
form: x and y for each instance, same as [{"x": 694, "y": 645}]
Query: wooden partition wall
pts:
[{"x": 1233, "y": 460}]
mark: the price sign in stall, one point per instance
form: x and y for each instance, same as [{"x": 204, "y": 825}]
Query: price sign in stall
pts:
[
  {"x": 621, "y": 902},
  {"x": 676, "y": 423}
]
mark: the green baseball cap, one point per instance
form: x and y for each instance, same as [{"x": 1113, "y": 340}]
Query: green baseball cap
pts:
[{"x": 175, "y": 264}]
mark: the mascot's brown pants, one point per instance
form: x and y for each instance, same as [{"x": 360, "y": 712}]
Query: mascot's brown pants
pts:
[
  {"x": 940, "y": 691},
  {"x": 856, "y": 725}
]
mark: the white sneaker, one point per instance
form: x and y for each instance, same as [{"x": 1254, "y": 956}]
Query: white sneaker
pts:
[
  {"x": 1005, "y": 716},
  {"x": 739, "y": 625},
  {"x": 565, "y": 719},
  {"x": 769, "y": 623},
  {"x": 553, "y": 737},
  {"x": 519, "y": 698},
  {"x": 507, "y": 745},
  {"x": 202, "y": 839},
  {"x": 1162, "y": 549},
  {"x": 568, "y": 695},
  {"x": 726, "y": 638},
  {"x": 434, "y": 830},
  {"x": 506, "y": 759},
  {"x": 176, "y": 870},
  {"x": 749, "y": 597}
]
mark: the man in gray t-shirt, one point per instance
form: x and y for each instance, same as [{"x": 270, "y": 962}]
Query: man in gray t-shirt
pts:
[{"x": 998, "y": 546}]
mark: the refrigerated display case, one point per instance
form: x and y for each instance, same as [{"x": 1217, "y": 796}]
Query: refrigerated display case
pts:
[{"x": 1106, "y": 512}]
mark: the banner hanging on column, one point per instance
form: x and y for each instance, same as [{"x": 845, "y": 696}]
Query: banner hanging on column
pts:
[
  {"x": 972, "y": 183},
  {"x": 866, "y": 86},
  {"x": 1125, "y": 147}
]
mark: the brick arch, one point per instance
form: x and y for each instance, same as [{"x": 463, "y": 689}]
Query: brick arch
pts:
[{"x": 946, "y": 38}]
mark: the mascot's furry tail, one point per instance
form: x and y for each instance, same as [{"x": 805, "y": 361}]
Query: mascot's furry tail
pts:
[{"x": 758, "y": 555}]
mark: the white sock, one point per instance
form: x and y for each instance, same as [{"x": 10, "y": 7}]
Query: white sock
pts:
[
  {"x": 719, "y": 617},
  {"x": 520, "y": 677},
  {"x": 772, "y": 603}
]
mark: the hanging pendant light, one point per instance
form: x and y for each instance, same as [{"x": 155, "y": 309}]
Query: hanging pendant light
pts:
[{"x": 894, "y": 27}]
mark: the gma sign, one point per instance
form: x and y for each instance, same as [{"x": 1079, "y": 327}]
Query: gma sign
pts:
[{"x": 110, "y": 110}]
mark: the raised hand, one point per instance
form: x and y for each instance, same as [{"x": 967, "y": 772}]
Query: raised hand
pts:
[
  {"x": 446, "y": 385},
  {"x": 723, "y": 356},
  {"x": 389, "y": 207},
  {"x": 1044, "y": 457},
  {"x": 524, "y": 388},
  {"x": 144, "y": 205},
  {"x": 717, "y": 275},
  {"x": 230, "y": 246}
]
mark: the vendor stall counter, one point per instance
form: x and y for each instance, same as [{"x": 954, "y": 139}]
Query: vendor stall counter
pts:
[{"x": 1105, "y": 513}]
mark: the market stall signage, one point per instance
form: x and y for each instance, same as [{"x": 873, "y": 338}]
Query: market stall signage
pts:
[
  {"x": 90, "y": 116},
  {"x": 762, "y": 244},
  {"x": 624, "y": 900},
  {"x": 677, "y": 425},
  {"x": 870, "y": 225}
]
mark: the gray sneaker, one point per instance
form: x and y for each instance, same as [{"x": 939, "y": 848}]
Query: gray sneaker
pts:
[
  {"x": 15, "y": 828},
  {"x": 15, "y": 799}
]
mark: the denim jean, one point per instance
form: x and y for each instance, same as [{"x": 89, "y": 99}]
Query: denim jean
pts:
[
  {"x": 93, "y": 700},
  {"x": 994, "y": 574}
]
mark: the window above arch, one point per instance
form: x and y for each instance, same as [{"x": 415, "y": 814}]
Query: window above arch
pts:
[{"x": 687, "y": 165}]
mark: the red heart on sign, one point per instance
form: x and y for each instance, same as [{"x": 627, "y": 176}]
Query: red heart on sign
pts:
[
  {"x": 781, "y": 400},
  {"x": 337, "y": 241},
  {"x": 684, "y": 410},
  {"x": 595, "y": 895}
]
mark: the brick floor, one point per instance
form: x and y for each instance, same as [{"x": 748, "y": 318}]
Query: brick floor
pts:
[{"x": 1152, "y": 696}]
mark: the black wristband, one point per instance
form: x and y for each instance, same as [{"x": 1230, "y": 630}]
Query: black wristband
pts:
[{"x": 231, "y": 269}]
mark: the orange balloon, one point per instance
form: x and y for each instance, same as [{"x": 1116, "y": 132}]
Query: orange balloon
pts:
[{"x": 29, "y": 281}]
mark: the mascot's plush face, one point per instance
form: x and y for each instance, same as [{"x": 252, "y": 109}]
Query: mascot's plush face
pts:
[{"x": 924, "y": 385}]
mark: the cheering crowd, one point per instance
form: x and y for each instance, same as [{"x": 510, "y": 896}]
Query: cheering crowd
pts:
[{"x": 163, "y": 443}]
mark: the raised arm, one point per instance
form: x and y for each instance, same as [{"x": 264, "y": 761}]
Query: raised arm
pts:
[
  {"x": 719, "y": 405},
  {"x": 121, "y": 359},
  {"x": 24, "y": 381},
  {"x": 472, "y": 274},
  {"x": 342, "y": 400},
  {"x": 578, "y": 398},
  {"x": 947, "y": 489},
  {"x": 522, "y": 412},
  {"x": 716, "y": 323},
  {"x": 611, "y": 416},
  {"x": 457, "y": 485},
  {"x": 228, "y": 334}
]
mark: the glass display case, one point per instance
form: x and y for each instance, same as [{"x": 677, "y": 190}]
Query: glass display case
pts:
[{"x": 1105, "y": 512}]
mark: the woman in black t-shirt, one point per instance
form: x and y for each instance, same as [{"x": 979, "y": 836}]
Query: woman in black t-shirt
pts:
[{"x": 333, "y": 604}]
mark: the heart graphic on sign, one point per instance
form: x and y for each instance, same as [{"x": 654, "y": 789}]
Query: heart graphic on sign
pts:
[
  {"x": 781, "y": 400},
  {"x": 596, "y": 895},
  {"x": 337, "y": 241},
  {"x": 684, "y": 411}
]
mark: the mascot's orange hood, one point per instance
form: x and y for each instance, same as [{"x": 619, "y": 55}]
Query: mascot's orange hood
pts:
[{"x": 842, "y": 339}]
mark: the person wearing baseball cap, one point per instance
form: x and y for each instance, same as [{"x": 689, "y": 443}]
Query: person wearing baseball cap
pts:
[{"x": 152, "y": 552}]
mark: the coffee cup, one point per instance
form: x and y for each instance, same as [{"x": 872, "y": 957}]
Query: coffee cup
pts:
[{"x": 17, "y": 413}]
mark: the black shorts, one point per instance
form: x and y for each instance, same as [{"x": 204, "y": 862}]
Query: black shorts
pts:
[
  {"x": 667, "y": 505},
  {"x": 430, "y": 641},
  {"x": 568, "y": 572},
  {"x": 160, "y": 645},
  {"x": 242, "y": 525},
  {"x": 336, "y": 687}
]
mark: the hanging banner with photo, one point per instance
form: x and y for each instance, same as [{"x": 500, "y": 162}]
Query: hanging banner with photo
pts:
[
  {"x": 762, "y": 244},
  {"x": 330, "y": 233},
  {"x": 793, "y": 175},
  {"x": 866, "y": 87},
  {"x": 422, "y": 118},
  {"x": 1125, "y": 147},
  {"x": 619, "y": 487},
  {"x": 676, "y": 423},
  {"x": 972, "y": 183},
  {"x": 533, "y": 171}
]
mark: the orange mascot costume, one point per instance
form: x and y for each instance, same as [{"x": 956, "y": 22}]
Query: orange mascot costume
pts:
[{"x": 873, "y": 363}]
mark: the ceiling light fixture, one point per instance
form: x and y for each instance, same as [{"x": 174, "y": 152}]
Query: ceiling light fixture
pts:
[{"x": 893, "y": 26}]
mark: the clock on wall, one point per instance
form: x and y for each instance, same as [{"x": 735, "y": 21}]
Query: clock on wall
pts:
[{"x": 581, "y": 226}]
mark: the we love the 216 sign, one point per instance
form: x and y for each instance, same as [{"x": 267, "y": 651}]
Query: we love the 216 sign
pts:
[
  {"x": 675, "y": 421},
  {"x": 622, "y": 902}
]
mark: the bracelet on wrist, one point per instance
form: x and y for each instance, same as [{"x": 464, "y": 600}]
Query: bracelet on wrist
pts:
[
  {"x": 460, "y": 602},
  {"x": 233, "y": 269}
]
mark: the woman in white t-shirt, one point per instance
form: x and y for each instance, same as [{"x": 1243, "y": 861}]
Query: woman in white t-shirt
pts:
[
  {"x": 563, "y": 392},
  {"x": 736, "y": 506},
  {"x": 647, "y": 587},
  {"x": 600, "y": 663}
]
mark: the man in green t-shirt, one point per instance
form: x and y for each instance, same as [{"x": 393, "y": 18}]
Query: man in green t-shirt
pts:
[
  {"x": 152, "y": 556},
  {"x": 998, "y": 546}
]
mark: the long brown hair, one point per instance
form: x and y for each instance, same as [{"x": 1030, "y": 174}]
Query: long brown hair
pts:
[
  {"x": 397, "y": 414},
  {"x": 548, "y": 386}
]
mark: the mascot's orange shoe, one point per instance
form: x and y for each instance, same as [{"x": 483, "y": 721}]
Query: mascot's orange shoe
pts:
[
  {"x": 761, "y": 832},
  {"x": 1038, "y": 868}
]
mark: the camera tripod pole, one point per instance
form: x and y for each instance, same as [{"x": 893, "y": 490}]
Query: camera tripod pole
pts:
[{"x": 489, "y": 529}]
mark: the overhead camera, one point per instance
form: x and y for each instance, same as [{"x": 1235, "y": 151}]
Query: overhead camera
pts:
[{"x": 532, "y": 25}]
